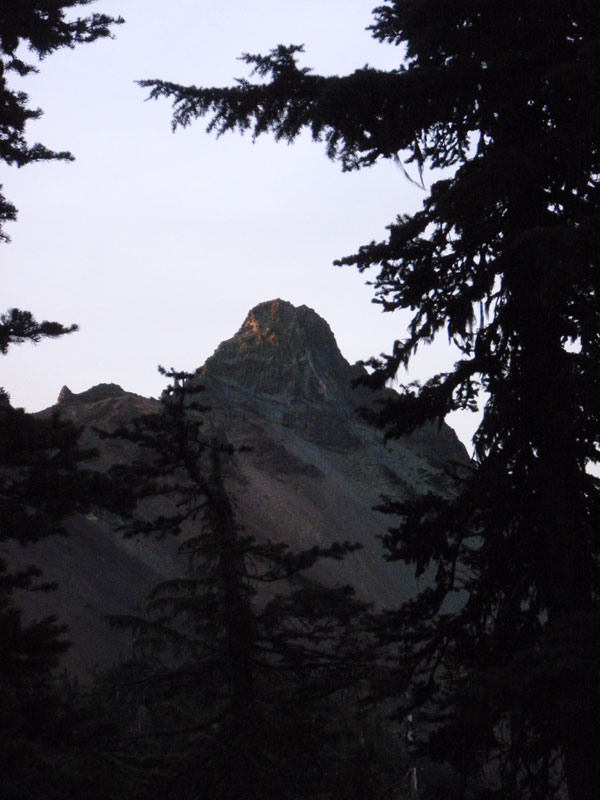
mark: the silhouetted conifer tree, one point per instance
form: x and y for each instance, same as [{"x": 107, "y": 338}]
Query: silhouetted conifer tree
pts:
[
  {"x": 43, "y": 27},
  {"x": 40, "y": 726},
  {"x": 39, "y": 484},
  {"x": 37, "y": 457},
  {"x": 252, "y": 657},
  {"x": 503, "y": 258}
]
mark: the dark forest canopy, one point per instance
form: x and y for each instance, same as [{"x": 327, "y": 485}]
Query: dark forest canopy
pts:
[
  {"x": 503, "y": 257},
  {"x": 248, "y": 663}
]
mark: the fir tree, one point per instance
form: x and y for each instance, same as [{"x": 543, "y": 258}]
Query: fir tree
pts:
[
  {"x": 43, "y": 26},
  {"x": 251, "y": 656},
  {"x": 39, "y": 482},
  {"x": 37, "y": 458},
  {"x": 503, "y": 259},
  {"x": 40, "y": 485}
]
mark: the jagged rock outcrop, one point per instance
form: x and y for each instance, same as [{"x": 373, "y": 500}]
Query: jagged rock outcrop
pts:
[
  {"x": 312, "y": 474},
  {"x": 283, "y": 351},
  {"x": 103, "y": 391},
  {"x": 284, "y": 364},
  {"x": 287, "y": 359}
]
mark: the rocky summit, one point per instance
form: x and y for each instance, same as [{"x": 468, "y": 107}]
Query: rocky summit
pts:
[
  {"x": 311, "y": 471},
  {"x": 285, "y": 352},
  {"x": 286, "y": 361}
]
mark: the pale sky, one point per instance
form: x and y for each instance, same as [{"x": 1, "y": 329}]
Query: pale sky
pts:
[{"x": 157, "y": 244}]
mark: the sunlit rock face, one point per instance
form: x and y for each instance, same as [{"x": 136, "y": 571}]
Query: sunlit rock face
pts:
[
  {"x": 315, "y": 468},
  {"x": 311, "y": 472},
  {"x": 284, "y": 364},
  {"x": 284, "y": 351},
  {"x": 285, "y": 359}
]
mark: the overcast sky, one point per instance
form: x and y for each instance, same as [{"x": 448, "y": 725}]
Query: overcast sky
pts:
[{"x": 157, "y": 244}]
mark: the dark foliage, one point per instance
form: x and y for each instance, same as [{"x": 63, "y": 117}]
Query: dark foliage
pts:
[
  {"x": 503, "y": 258},
  {"x": 43, "y": 26},
  {"x": 18, "y": 326},
  {"x": 39, "y": 481},
  {"x": 45, "y": 737},
  {"x": 243, "y": 663}
]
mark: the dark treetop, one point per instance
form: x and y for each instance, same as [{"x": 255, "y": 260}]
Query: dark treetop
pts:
[{"x": 503, "y": 258}]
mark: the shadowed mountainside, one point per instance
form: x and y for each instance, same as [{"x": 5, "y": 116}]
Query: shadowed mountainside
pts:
[{"x": 314, "y": 470}]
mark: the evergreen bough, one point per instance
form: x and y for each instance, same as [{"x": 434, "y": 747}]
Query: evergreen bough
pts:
[
  {"x": 244, "y": 666},
  {"x": 503, "y": 259}
]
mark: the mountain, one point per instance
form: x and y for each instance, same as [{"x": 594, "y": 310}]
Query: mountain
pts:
[{"x": 313, "y": 471}]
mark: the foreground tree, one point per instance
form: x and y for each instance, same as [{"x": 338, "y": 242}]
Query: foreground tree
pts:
[
  {"x": 40, "y": 485},
  {"x": 37, "y": 458},
  {"x": 243, "y": 661},
  {"x": 43, "y": 26},
  {"x": 39, "y": 481},
  {"x": 503, "y": 258}
]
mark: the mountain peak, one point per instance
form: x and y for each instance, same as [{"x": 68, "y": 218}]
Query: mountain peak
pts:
[
  {"x": 102, "y": 391},
  {"x": 283, "y": 350}
]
